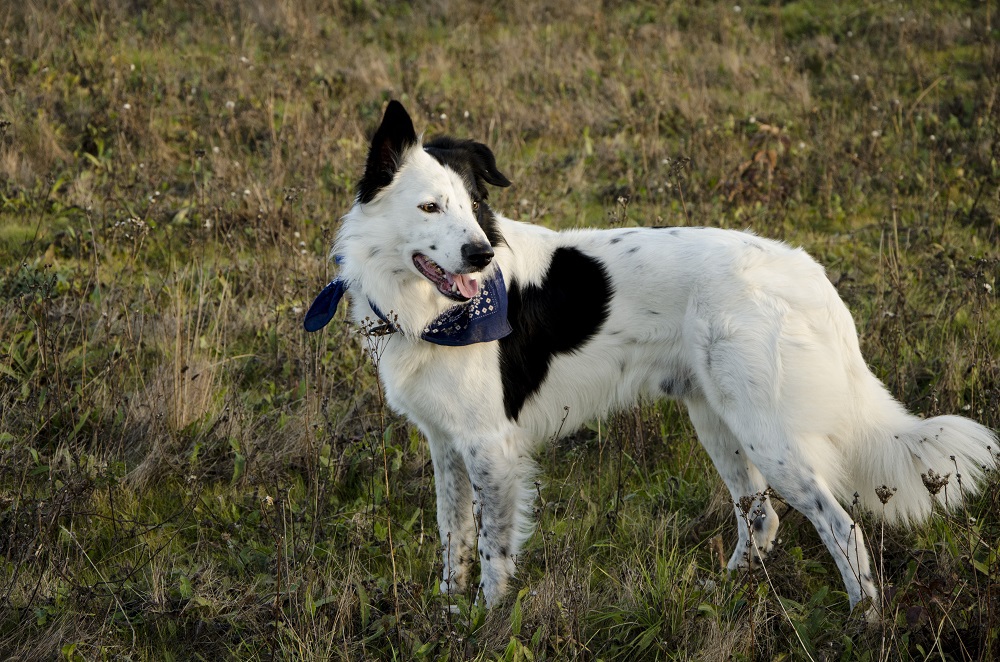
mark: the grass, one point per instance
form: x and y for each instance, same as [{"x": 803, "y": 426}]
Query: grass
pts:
[{"x": 185, "y": 474}]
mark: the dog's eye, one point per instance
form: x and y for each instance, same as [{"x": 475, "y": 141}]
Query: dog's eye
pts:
[
  {"x": 429, "y": 207},
  {"x": 475, "y": 206}
]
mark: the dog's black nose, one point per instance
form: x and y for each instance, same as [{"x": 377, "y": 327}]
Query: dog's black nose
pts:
[{"x": 478, "y": 255}]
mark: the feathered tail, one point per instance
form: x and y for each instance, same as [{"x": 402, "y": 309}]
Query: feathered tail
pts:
[{"x": 920, "y": 461}]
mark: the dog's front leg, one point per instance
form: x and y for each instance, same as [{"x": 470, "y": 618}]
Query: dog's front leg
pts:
[
  {"x": 456, "y": 525},
  {"x": 501, "y": 484}
]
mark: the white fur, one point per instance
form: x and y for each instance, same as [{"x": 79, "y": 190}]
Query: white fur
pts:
[{"x": 747, "y": 332}]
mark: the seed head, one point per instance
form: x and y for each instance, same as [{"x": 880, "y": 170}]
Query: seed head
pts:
[
  {"x": 884, "y": 493},
  {"x": 934, "y": 481}
]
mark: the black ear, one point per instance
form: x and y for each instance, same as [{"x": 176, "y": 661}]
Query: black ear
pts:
[
  {"x": 469, "y": 158},
  {"x": 394, "y": 136},
  {"x": 484, "y": 164}
]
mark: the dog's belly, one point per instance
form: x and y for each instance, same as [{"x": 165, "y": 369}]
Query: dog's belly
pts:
[{"x": 601, "y": 378}]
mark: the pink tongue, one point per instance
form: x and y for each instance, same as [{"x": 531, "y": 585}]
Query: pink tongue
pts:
[{"x": 467, "y": 286}]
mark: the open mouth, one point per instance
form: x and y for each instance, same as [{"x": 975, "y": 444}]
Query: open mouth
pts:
[{"x": 458, "y": 287}]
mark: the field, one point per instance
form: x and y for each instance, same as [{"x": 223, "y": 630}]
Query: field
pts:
[{"x": 186, "y": 475}]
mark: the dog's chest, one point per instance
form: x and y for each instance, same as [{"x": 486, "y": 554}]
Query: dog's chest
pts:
[{"x": 454, "y": 388}]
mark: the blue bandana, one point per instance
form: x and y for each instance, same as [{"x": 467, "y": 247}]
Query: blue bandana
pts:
[{"x": 480, "y": 319}]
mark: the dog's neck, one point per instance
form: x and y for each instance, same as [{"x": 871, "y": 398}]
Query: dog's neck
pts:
[{"x": 480, "y": 319}]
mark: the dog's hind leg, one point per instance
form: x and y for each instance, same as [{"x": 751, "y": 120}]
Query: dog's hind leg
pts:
[
  {"x": 778, "y": 457},
  {"x": 745, "y": 482},
  {"x": 501, "y": 483},
  {"x": 456, "y": 524},
  {"x": 806, "y": 491}
]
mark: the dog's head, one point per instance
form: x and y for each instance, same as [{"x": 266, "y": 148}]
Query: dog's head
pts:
[{"x": 433, "y": 199}]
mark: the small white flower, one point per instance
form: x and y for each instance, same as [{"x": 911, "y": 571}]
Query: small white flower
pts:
[
  {"x": 126, "y": 106},
  {"x": 230, "y": 105},
  {"x": 855, "y": 78},
  {"x": 246, "y": 192},
  {"x": 876, "y": 133},
  {"x": 933, "y": 138},
  {"x": 737, "y": 9},
  {"x": 802, "y": 145},
  {"x": 215, "y": 149},
  {"x": 131, "y": 67},
  {"x": 850, "y": 33},
  {"x": 444, "y": 116},
  {"x": 244, "y": 59},
  {"x": 752, "y": 120},
  {"x": 296, "y": 234},
  {"x": 465, "y": 114},
  {"x": 787, "y": 59}
]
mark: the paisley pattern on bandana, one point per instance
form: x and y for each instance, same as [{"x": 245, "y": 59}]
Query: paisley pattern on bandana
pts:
[{"x": 480, "y": 319}]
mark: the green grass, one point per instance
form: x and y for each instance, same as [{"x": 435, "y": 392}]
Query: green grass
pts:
[{"x": 185, "y": 474}]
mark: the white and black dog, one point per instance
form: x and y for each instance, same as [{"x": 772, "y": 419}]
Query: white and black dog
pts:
[{"x": 502, "y": 334}]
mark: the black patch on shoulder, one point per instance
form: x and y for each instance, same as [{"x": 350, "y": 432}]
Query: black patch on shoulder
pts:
[
  {"x": 560, "y": 316},
  {"x": 394, "y": 136},
  {"x": 478, "y": 167}
]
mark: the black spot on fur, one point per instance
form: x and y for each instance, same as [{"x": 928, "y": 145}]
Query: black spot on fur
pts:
[
  {"x": 478, "y": 167},
  {"x": 394, "y": 136},
  {"x": 758, "y": 524},
  {"x": 819, "y": 506},
  {"x": 676, "y": 388},
  {"x": 632, "y": 250},
  {"x": 615, "y": 240},
  {"x": 557, "y": 317}
]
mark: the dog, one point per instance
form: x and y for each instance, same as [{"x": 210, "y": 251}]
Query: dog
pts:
[{"x": 501, "y": 334}]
